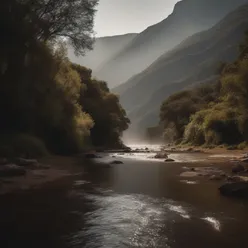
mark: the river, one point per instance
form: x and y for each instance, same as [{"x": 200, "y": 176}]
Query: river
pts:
[{"x": 141, "y": 203}]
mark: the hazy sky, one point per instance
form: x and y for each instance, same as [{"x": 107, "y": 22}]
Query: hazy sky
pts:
[{"x": 130, "y": 16}]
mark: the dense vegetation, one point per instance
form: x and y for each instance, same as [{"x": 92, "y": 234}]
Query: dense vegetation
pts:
[
  {"x": 213, "y": 114},
  {"x": 45, "y": 100}
]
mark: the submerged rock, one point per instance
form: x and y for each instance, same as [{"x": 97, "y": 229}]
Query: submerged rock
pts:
[
  {"x": 11, "y": 170},
  {"x": 236, "y": 189},
  {"x": 169, "y": 160},
  {"x": 116, "y": 162}
]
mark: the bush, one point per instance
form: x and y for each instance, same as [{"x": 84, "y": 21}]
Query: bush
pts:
[
  {"x": 22, "y": 145},
  {"x": 242, "y": 145}
]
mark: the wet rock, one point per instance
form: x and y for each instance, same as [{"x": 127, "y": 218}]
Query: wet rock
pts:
[
  {"x": 161, "y": 155},
  {"x": 236, "y": 189},
  {"x": 11, "y": 170},
  {"x": 169, "y": 160},
  {"x": 238, "y": 168},
  {"x": 116, "y": 162}
]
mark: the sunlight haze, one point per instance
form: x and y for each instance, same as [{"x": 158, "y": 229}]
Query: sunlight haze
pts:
[{"x": 130, "y": 16}]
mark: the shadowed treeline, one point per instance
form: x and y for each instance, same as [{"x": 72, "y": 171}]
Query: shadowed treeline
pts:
[{"x": 45, "y": 100}]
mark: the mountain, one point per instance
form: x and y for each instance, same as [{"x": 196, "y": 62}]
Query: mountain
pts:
[
  {"x": 103, "y": 50},
  {"x": 192, "y": 62},
  {"x": 188, "y": 18}
]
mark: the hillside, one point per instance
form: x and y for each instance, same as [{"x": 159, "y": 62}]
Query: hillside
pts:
[
  {"x": 192, "y": 62},
  {"x": 104, "y": 49},
  {"x": 188, "y": 18}
]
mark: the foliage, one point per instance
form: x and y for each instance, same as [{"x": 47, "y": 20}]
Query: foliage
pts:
[
  {"x": 42, "y": 94},
  {"x": 213, "y": 114},
  {"x": 109, "y": 116}
]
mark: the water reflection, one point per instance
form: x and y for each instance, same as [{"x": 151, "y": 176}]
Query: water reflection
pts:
[{"x": 133, "y": 220}]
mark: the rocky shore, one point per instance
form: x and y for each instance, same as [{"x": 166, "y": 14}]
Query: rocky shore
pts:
[{"x": 228, "y": 168}]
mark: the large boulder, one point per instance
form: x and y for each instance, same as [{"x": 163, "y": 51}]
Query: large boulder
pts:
[
  {"x": 236, "y": 189},
  {"x": 11, "y": 170},
  {"x": 238, "y": 168}
]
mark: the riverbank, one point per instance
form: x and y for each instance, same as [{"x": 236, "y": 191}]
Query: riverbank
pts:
[
  {"x": 57, "y": 168},
  {"x": 194, "y": 162}
]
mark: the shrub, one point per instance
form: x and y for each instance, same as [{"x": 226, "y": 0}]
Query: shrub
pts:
[{"x": 24, "y": 145}]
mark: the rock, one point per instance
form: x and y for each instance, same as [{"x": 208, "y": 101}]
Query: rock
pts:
[
  {"x": 146, "y": 149},
  {"x": 27, "y": 162},
  {"x": 11, "y": 170},
  {"x": 238, "y": 168},
  {"x": 192, "y": 169},
  {"x": 161, "y": 155},
  {"x": 169, "y": 160},
  {"x": 116, "y": 162},
  {"x": 90, "y": 155},
  {"x": 236, "y": 189}
]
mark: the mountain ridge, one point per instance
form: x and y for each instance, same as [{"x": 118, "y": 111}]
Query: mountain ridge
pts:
[
  {"x": 188, "y": 17},
  {"x": 191, "y": 62}
]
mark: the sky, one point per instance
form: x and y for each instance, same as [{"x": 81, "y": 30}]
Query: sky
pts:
[{"x": 130, "y": 16}]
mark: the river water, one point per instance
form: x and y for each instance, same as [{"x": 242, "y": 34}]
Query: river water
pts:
[{"x": 141, "y": 203}]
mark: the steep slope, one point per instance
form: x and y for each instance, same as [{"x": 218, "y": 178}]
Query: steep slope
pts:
[
  {"x": 104, "y": 49},
  {"x": 192, "y": 62},
  {"x": 188, "y": 18}
]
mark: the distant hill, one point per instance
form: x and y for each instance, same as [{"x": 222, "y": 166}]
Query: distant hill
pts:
[
  {"x": 104, "y": 49},
  {"x": 188, "y": 18},
  {"x": 192, "y": 62}
]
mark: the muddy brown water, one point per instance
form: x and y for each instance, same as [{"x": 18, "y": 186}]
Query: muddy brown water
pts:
[{"x": 140, "y": 203}]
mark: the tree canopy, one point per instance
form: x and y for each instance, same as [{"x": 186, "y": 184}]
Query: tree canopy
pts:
[{"x": 42, "y": 94}]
